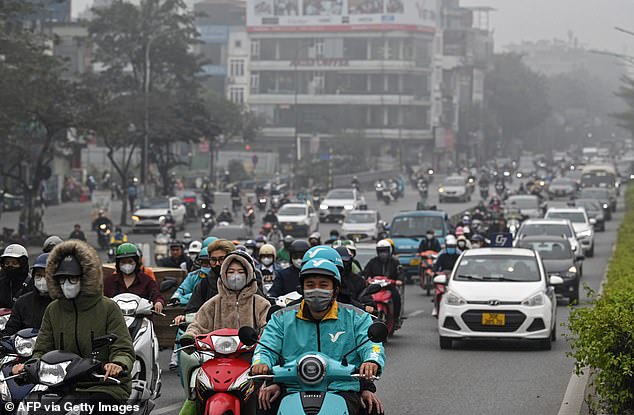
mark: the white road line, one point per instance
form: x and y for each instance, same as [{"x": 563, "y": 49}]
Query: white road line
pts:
[
  {"x": 415, "y": 313},
  {"x": 173, "y": 408}
]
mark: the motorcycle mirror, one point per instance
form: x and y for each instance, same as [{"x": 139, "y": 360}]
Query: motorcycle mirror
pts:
[
  {"x": 248, "y": 335},
  {"x": 377, "y": 332},
  {"x": 102, "y": 341},
  {"x": 167, "y": 284}
]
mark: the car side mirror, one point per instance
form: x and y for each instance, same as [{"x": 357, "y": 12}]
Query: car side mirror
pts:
[
  {"x": 440, "y": 279},
  {"x": 248, "y": 335},
  {"x": 377, "y": 332},
  {"x": 167, "y": 284},
  {"x": 555, "y": 280}
]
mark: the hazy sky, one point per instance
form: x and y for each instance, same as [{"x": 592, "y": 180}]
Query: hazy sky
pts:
[{"x": 592, "y": 21}]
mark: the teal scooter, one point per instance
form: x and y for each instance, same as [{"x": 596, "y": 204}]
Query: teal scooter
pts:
[{"x": 310, "y": 375}]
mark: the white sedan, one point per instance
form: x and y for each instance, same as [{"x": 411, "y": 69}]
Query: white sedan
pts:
[
  {"x": 498, "y": 293},
  {"x": 361, "y": 224}
]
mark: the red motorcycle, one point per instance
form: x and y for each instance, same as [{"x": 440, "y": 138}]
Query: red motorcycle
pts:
[
  {"x": 222, "y": 381},
  {"x": 383, "y": 298},
  {"x": 440, "y": 290},
  {"x": 427, "y": 270}
]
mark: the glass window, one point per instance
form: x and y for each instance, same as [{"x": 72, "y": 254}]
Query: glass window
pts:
[
  {"x": 236, "y": 67},
  {"x": 255, "y": 49},
  {"x": 355, "y": 49},
  {"x": 267, "y": 50},
  {"x": 414, "y": 226},
  {"x": 377, "y": 51},
  {"x": 550, "y": 250},
  {"x": 255, "y": 83},
  {"x": 574, "y": 217},
  {"x": 498, "y": 268},
  {"x": 236, "y": 95},
  {"x": 394, "y": 49}
]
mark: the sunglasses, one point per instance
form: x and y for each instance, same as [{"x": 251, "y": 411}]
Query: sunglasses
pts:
[
  {"x": 73, "y": 279},
  {"x": 216, "y": 260}
]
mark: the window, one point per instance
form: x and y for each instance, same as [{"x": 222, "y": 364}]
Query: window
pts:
[
  {"x": 319, "y": 48},
  {"x": 255, "y": 83},
  {"x": 236, "y": 67},
  {"x": 236, "y": 95},
  {"x": 237, "y": 43},
  {"x": 255, "y": 49}
]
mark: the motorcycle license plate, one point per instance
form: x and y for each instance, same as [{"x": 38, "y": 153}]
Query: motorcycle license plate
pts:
[
  {"x": 493, "y": 319},
  {"x": 288, "y": 227},
  {"x": 414, "y": 262}
]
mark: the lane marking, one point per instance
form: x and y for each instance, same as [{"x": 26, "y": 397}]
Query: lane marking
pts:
[
  {"x": 415, "y": 313},
  {"x": 168, "y": 409}
]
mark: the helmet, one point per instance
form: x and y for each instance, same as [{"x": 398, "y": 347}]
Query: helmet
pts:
[
  {"x": 320, "y": 267},
  {"x": 268, "y": 249},
  {"x": 195, "y": 247},
  {"x": 187, "y": 236},
  {"x": 260, "y": 239},
  {"x": 250, "y": 244},
  {"x": 323, "y": 252},
  {"x": 316, "y": 236},
  {"x": 174, "y": 243},
  {"x": 459, "y": 231},
  {"x": 344, "y": 253},
  {"x": 50, "y": 243},
  {"x": 391, "y": 243},
  {"x": 384, "y": 245},
  {"x": 204, "y": 253},
  {"x": 208, "y": 240},
  {"x": 15, "y": 251},
  {"x": 299, "y": 247},
  {"x": 40, "y": 261},
  {"x": 477, "y": 238},
  {"x": 451, "y": 240},
  {"x": 288, "y": 239},
  {"x": 337, "y": 243},
  {"x": 351, "y": 247},
  {"x": 127, "y": 250}
]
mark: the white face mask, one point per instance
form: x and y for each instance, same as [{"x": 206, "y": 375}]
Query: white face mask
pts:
[
  {"x": 127, "y": 269},
  {"x": 297, "y": 263},
  {"x": 267, "y": 260},
  {"x": 40, "y": 285},
  {"x": 236, "y": 282},
  {"x": 71, "y": 290}
]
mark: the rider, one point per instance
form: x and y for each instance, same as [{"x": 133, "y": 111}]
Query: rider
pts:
[
  {"x": 386, "y": 265},
  {"x": 225, "y": 215},
  {"x": 463, "y": 243},
  {"x": 260, "y": 241},
  {"x": 429, "y": 242},
  {"x": 477, "y": 241},
  {"x": 79, "y": 313},
  {"x": 77, "y": 233},
  {"x": 288, "y": 279},
  {"x": 193, "y": 250},
  {"x": 50, "y": 243},
  {"x": 118, "y": 237},
  {"x": 355, "y": 182},
  {"x": 267, "y": 265},
  {"x": 28, "y": 310},
  {"x": 332, "y": 237},
  {"x": 270, "y": 217},
  {"x": 101, "y": 219},
  {"x": 15, "y": 279},
  {"x": 447, "y": 257},
  {"x": 293, "y": 331},
  {"x": 283, "y": 254},
  {"x": 352, "y": 285},
  {"x": 177, "y": 256},
  {"x": 314, "y": 239},
  {"x": 249, "y": 246},
  {"x": 129, "y": 278}
]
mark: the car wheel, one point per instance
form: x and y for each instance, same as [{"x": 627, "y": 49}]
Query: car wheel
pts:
[
  {"x": 445, "y": 342},
  {"x": 545, "y": 344}
]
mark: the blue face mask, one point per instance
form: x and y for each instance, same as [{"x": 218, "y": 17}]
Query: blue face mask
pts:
[
  {"x": 205, "y": 270},
  {"x": 451, "y": 251}
]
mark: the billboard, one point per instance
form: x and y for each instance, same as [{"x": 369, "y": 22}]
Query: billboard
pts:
[{"x": 341, "y": 15}]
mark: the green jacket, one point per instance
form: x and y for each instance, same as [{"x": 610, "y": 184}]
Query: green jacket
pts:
[{"x": 71, "y": 325}]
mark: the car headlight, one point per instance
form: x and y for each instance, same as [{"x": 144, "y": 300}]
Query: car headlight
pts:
[
  {"x": 323, "y": 206},
  {"x": 454, "y": 299},
  {"x": 585, "y": 233},
  {"x": 225, "y": 344},
  {"x": 348, "y": 207},
  {"x": 605, "y": 206},
  {"x": 24, "y": 346},
  {"x": 534, "y": 301},
  {"x": 441, "y": 190},
  {"x": 135, "y": 218},
  {"x": 3, "y": 321},
  {"x": 52, "y": 374},
  {"x": 519, "y": 175}
]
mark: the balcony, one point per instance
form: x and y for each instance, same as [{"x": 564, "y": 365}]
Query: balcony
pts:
[
  {"x": 370, "y": 133},
  {"x": 341, "y": 65},
  {"x": 341, "y": 99}
]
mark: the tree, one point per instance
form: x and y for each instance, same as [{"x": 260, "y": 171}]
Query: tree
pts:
[{"x": 626, "y": 93}]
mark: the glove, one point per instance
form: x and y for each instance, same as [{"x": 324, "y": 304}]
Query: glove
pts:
[{"x": 186, "y": 341}]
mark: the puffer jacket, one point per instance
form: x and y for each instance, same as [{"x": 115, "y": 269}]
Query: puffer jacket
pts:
[
  {"x": 230, "y": 309},
  {"x": 292, "y": 332},
  {"x": 27, "y": 312},
  {"x": 185, "y": 290},
  {"x": 70, "y": 325}
]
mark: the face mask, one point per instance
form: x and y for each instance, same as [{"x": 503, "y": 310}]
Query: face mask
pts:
[
  {"x": 127, "y": 269},
  {"x": 451, "y": 251},
  {"x": 206, "y": 270},
  {"x": 267, "y": 260},
  {"x": 71, "y": 290},
  {"x": 318, "y": 300},
  {"x": 297, "y": 263},
  {"x": 40, "y": 285},
  {"x": 461, "y": 245},
  {"x": 14, "y": 272},
  {"x": 193, "y": 256},
  {"x": 236, "y": 282},
  {"x": 430, "y": 236},
  {"x": 215, "y": 269}
]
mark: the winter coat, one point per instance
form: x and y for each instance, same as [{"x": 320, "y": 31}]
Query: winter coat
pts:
[
  {"x": 446, "y": 261},
  {"x": 286, "y": 282},
  {"x": 12, "y": 288},
  {"x": 375, "y": 267},
  {"x": 185, "y": 290},
  {"x": 427, "y": 245},
  {"x": 292, "y": 332},
  {"x": 205, "y": 290},
  {"x": 143, "y": 286},
  {"x": 352, "y": 287},
  {"x": 230, "y": 309},
  {"x": 27, "y": 312},
  {"x": 70, "y": 325}
]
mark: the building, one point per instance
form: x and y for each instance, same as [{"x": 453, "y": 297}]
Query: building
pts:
[{"x": 323, "y": 70}]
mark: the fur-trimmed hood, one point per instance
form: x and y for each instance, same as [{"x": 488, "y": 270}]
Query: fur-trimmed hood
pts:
[
  {"x": 92, "y": 276},
  {"x": 250, "y": 288}
]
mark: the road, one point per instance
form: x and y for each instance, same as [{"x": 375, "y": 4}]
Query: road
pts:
[{"x": 476, "y": 377}]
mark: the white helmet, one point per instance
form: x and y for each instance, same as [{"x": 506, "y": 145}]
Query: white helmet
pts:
[
  {"x": 451, "y": 240},
  {"x": 15, "y": 251},
  {"x": 382, "y": 244},
  {"x": 195, "y": 247}
]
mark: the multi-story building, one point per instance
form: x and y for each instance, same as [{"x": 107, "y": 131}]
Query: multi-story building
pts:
[{"x": 327, "y": 69}]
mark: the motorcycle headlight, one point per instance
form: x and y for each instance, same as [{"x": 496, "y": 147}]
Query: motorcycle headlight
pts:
[
  {"x": 225, "y": 344},
  {"x": 605, "y": 206},
  {"x": 24, "y": 346},
  {"x": 311, "y": 369},
  {"x": 441, "y": 190},
  {"x": 454, "y": 299},
  {"x": 534, "y": 300},
  {"x": 128, "y": 308},
  {"x": 207, "y": 215},
  {"x": 3, "y": 321},
  {"x": 519, "y": 175},
  {"x": 52, "y": 374},
  {"x": 323, "y": 206},
  {"x": 572, "y": 270},
  {"x": 135, "y": 218}
]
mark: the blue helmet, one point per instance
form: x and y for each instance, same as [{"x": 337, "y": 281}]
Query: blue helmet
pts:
[
  {"x": 323, "y": 252},
  {"x": 209, "y": 240},
  {"x": 320, "y": 266},
  {"x": 204, "y": 253},
  {"x": 40, "y": 261}
]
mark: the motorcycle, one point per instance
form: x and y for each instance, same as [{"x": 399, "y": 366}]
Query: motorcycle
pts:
[
  {"x": 161, "y": 245},
  {"x": 236, "y": 203},
  {"x": 225, "y": 216},
  {"x": 386, "y": 195},
  {"x": 221, "y": 383},
  {"x": 500, "y": 189},
  {"x": 262, "y": 202},
  {"x": 15, "y": 349},
  {"x": 427, "y": 270},
  {"x": 311, "y": 375},
  {"x": 145, "y": 373},
  {"x": 379, "y": 187},
  {"x": 191, "y": 206},
  {"x": 484, "y": 192},
  {"x": 383, "y": 299},
  {"x": 423, "y": 189},
  {"x": 103, "y": 236},
  {"x": 430, "y": 175},
  {"x": 207, "y": 223},
  {"x": 248, "y": 217}
]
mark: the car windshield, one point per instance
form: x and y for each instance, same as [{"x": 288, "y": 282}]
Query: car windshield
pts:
[
  {"x": 562, "y": 182},
  {"x": 340, "y": 194},
  {"x": 454, "y": 181},
  {"x": 292, "y": 211},
  {"x": 574, "y": 217},
  {"x": 364, "y": 217},
  {"x": 598, "y": 180},
  {"x": 549, "y": 249},
  {"x": 523, "y": 203},
  {"x": 155, "y": 204},
  {"x": 547, "y": 229},
  {"x": 589, "y": 205},
  {"x": 595, "y": 194},
  {"x": 416, "y": 226},
  {"x": 513, "y": 268}
]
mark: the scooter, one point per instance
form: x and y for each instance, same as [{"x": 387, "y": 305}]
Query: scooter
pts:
[
  {"x": 103, "y": 236},
  {"x": 386, "y": 195},
  {"x": 5, "y": 314},
  {"x": 311, "y": 375},
  {"x": 427, "y": 270},
  {"x": 221, "y": 383},
  {"x": 207, "y": 223},
  {"x": 384, "y": 302},
  {"x": 484, "y": 192},
  {"x": 14, "y": 350},
  {"x": 161, "y": 248},
  {"x": 146, "y": 372},
  {"x": 262, "y": 202},
  {"x": 248, "y": 217}
]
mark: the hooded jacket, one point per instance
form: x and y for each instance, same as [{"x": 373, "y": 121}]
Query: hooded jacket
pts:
[
  {"x": 13, "y": 287},
  {"x": 376, "y": 267},
  {"x": 27, "y": 312},
  {"x": 71, "y": 325},
  {"x": 230, "y": 309}
]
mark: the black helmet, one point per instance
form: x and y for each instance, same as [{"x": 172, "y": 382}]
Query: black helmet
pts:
[
  {"x": 68, "y": 266},
  {"x": 344, "y": 253},
  {"x": 299, "y": 247},
  {"x": 174, "y": 243}
]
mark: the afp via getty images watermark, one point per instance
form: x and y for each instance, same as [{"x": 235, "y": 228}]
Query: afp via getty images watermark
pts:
[{"x": 63, "y": 408}]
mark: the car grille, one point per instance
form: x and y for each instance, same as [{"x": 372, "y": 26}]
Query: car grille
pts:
[
  {"x": 473, "y": 320},
  {"x": 336, "y": 209}
]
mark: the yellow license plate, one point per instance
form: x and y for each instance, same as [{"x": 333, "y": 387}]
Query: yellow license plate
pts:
[
  {"x": 493, "y": 319},
  {"x": 414, "y": 262},
  {"x": 288, "y": 227}
]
